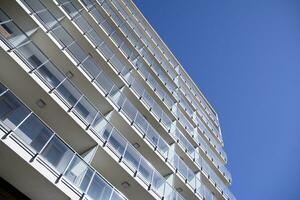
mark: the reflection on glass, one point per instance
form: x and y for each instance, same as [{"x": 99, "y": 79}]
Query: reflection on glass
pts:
[
  {"x": 79, "y": 173},
  {"x": 34, "y": 132},
  {"x": 12, "y": 111},
  {"x": 57, "y": 154},
  {"x": 99, "y": 189}
]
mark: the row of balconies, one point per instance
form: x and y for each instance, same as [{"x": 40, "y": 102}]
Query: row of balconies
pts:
[
  {"x": 176, "y": 67},
  {"x": 131, "y": 80},
  {"x": 93, "y": 11},
  {"x": 19, "y": 122},
  {"x": 91, "y": 118},
  {"x": 65, "y": 85},
  {"x": 164, "y": 50},
  {"x": 150, "y": 61}
]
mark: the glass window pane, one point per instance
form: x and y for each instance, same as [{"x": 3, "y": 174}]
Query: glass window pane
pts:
[
  {"x": 99, "y": 189},
  {"x": 34, "y": 132},
  {"x": 152, "y": 136},
  {"x": 106, "y": 51},
  {"x": 82, "y": 23},
  {"x": 12, "y": 111},
  {"x": 57, "y": 154}
]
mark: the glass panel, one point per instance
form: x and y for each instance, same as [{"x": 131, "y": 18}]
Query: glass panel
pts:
[
  {"x": 62, "y": 36},
  {"x": 85, "y": 110},
  {"x": 68, "y": 92},
  {"x": 129, "y": 109},
  {"x": 163, "y": 148},
  {"x": 117, "y": 142},
  {"x": 12, "y": 111},
  {"x": 32, "y": 55},
  {"x": 97, "y": 15},
  {"x": 99, "y": 189},
  {"x": 82, "y": 23},
  {"x": 91, "y": 68},
  {"x": 104, "y": 82},
  {"x": 87, "y": 3},
  {"x": 152, "y": 136},
  {"x": 101, "y": 127},
  {"x": 131, "y": 157},
  {"x": 106, "y": 51},
  {"x": 145, "y": 171},
  {"x": 77, "y": 52},
  {"x": 142, "y": 123},
  {"x": 79, "y": 173},
  {"x": 70, "y": 9},
  {"x": 57, "y": 154},
  {"x": 94, "y": 37},
  {"x": 34, "y": 133},
  {"x": 158, "y": 183},
  {"x": 34, "y": 5},
  {"x": 116, "y": 196},
  {"x": 46, "y": 19},
  {"x": 50, "y": 75}
]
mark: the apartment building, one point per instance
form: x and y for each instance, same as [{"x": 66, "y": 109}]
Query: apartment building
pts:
[{"x": 93, "y": 105}]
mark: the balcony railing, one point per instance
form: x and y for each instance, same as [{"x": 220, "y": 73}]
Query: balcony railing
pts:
[
  {"x": 76, "y": 100},
  {"x": 163, "y": 50},
  {"x": 21, "y": 123},
  {"x": 76, "y": 103}
]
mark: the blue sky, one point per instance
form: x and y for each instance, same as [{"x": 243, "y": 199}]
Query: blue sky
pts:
[{"x": 245, "y": 56}]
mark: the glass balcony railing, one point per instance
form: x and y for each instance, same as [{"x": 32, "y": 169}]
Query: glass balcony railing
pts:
[
  {"x": 73, "y": 99},
  {"x": 162, "y": 48},
  {"x": 70, "y": 8},
  {"x": 149, "y": 58},
  {"x": 93, "y": 119},
  {"x": 185, "y": 105},
  {"x": 110, "y": 11},
  {"x": 120, "y": 66},
  {"x": 132, "y": 23},
  {"x": 34, "y": 135},
  {"x": 96, "y": 122},
  {"x": 132, "y": 56}
]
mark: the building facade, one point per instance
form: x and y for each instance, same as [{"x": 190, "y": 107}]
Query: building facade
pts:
[{"x": 93, "y": 105}]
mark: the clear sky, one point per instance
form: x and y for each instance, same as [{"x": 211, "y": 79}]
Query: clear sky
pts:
[{"x": 245, "y": 56}]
